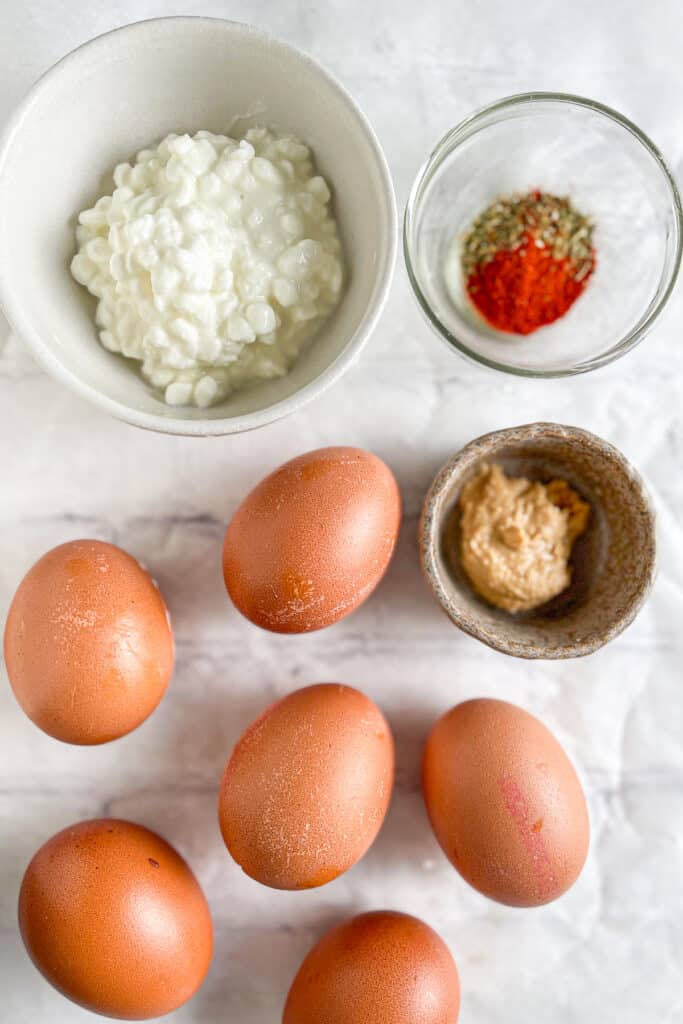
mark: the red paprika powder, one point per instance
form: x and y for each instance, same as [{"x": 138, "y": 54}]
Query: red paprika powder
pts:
[{"x": 526, "y": 260}]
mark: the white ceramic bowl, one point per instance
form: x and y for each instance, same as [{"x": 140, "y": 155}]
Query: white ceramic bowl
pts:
[{"x": 121, "y": 92}]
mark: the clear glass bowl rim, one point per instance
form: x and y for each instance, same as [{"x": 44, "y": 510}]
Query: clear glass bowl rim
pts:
[{"x": 462, "y": 131}]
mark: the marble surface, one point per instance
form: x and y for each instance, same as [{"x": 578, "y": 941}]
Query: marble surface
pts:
[{"x": 611, "y": 950}]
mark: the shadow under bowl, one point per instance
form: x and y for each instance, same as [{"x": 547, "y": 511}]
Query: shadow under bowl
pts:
[{"x": 613, "y": 562}]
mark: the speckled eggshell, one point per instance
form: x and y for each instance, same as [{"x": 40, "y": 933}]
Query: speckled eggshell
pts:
[
  {"x": 113, "y": 917},
  {"x": 505, "y": 803},
  {"x": 307, "y": 787},
  {"x": 88, "y": 643},
  {"x": 312, "y": 541},
  {"x": 377, "y": 968}
]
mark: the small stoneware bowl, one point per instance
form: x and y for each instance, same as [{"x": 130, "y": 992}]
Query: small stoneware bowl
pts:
[
  {"x": 126, "y": 90},
  {"x": 613, "y": 561}
]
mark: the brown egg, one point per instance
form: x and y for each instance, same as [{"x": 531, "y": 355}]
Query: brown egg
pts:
[
  {"x": 378, "y": 968},
  {"x": 312, "y": 541},
  {"x": 113, "y": 917},
  {"x": 307, "y": 787},
  {"x": 88, "y": 644},
  {"x": 505, "y": 803}
]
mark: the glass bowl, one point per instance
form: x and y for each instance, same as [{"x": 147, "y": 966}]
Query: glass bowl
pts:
[{"x": 565, "y": 145}]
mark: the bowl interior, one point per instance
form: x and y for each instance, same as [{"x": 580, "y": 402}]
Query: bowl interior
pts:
[
  {"x": 612, "y": 562},
  {"x": 128, "y": 89},
  {"x": 567, "y": 148}
]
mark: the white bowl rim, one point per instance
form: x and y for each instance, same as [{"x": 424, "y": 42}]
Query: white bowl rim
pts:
[{"x": 261, "y": 417}]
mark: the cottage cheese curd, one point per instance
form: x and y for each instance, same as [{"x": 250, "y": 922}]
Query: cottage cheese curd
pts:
[{"x": 214, "y": 261}]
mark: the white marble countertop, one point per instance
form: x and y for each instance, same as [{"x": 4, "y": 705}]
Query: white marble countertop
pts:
[{"x": 611, "y": 950}]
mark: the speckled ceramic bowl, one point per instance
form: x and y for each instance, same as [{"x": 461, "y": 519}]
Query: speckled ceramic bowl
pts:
[{"x": 613, "y": 561}]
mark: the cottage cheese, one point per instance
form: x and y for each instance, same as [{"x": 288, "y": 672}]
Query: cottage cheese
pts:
[{"x": 214, "y": 261}]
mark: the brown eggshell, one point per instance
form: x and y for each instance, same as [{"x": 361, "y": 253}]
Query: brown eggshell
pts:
[
  {"x": 377, "y": 968},
  {"x": 307, "y": 787},
  {"x": 88, "y": 644},
  {"x": 113, "y": 917},
  {"x": 312, "y": 541},
  {"x": 505, "y": 803}
]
